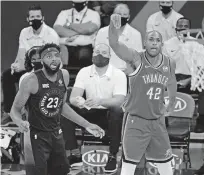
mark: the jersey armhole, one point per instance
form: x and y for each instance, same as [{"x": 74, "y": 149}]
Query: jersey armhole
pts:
[{"x": 137, "y": 70}]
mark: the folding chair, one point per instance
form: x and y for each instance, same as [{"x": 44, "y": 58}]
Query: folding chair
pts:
[{"x": 179, "y": 124}]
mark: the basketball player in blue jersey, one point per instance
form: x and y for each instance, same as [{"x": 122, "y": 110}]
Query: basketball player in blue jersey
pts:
[
  {"x": 44, "y": 93},
  {"x": 144, "y": 130}
]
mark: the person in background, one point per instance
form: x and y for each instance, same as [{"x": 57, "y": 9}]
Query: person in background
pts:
[
  {"x": 37, "y": 34},
  {"x": 128, "y": 36},
  {"x": 172, "y": 49},
  {"x": 77, "y": 28},
  {"x": 164, "y": 21},
  {"x": 105, "y": 89},
  {"x": 105, "y": 9}
]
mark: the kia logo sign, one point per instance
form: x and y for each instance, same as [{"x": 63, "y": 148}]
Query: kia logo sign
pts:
[
  {"x": 96, "y": 158},
  {"x": 180, "y": 104}
]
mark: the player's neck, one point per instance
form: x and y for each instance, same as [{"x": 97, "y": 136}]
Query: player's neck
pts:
[
  {"x": 101, "y": 70},
  {"x": 52, "y": 78},
  {"x": 153, "y": 60}
]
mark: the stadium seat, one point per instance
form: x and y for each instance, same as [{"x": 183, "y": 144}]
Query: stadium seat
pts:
[{"x": 179, "y": 124}]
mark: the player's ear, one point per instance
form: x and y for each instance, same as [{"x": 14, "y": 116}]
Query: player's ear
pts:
[
  {"x": 43, "y": 18},
  {"x": 27, "y": 19}
]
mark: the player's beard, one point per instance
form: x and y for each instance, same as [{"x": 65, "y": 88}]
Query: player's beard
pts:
[{"x": 49, "y": 70}]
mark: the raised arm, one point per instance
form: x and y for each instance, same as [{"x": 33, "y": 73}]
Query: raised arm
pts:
[
  {"x": 172, "y": 87},
  {"x": 28, "y": 86},
  {"x": 129, "y": 55}
]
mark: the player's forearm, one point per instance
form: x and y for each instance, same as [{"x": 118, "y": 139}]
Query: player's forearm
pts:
[
  {"x": 65, "y": 32},
  {"x": 84, "y": 28},
  {"x": 16, "y": 116},
  {"x": 172, "y": 89},
  {"x": 70, "y": 114},
  {"x": 111, "y": 102}
]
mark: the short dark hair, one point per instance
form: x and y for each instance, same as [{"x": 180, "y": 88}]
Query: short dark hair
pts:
[
  {"x": 34, "y": 7},
  {"x": 28, "y": 56},
  {"x": 47, "y": 46},
  {"x": 184, "y": 18}
]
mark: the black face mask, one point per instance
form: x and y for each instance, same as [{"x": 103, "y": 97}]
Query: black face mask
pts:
[
  {"x": 124, "y": 21},
  {"x": 79, "y": 6},
  {"x": 100, "y": 61},
  {"x": 37, "y": 65},
  {"x": 49, "y": 70},
  {"x": 166, "y": 9},
  {"x": 179, "y": 30},
  {"x": 35, "y": 23}
]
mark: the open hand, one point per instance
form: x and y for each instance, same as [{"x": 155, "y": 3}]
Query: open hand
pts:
[
  {"x": 116, "y": 20},
  {"x": 95, "y": 130}
]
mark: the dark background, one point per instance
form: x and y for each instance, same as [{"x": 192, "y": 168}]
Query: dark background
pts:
[{"x": 13, "y": 20}]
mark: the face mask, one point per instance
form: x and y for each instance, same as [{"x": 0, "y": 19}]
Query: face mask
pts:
[
  {"x": 179, "y": 30},
  {"x": 49, "y": 70},
  {"x": 124, "y": 21},
  {"x": 37, "y": 66},
  {"x": 35, "y": 23},
  {"x": 100, "y": 61},
  {"x": 166, "y": 9},
  {"x": 79, "y": 6}
]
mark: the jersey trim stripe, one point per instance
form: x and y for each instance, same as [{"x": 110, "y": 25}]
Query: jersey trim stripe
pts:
[
  {"x": 136, "y": 71},
  {"x": 152, "y": 65}
]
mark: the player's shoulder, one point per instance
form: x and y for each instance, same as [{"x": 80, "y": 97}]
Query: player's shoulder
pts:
[
  {"x": 65, "y": 74},
  {"x": 170, "y": 61},
  {"x": 30, "y": 82}
]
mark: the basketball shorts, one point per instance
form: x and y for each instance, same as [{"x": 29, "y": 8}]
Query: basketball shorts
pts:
[
  {"x": 147, "y": 137},
  {"x": 46, "y": 153}
]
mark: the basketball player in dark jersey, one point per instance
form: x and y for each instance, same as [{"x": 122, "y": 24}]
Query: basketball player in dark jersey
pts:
[
  {"x": 144, "y": 130},
  {"x": 44, "y": 92}
]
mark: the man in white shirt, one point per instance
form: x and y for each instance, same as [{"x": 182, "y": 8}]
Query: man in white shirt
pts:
[
  {"x": 37, "y": 34},
  {"x": 164, "y": 21},
  {"x": 105, "y": 87},
  {"x": 77, "y": 28},
  {"x": 172, "y": 49},
  {"x": 128, "y": 36}
]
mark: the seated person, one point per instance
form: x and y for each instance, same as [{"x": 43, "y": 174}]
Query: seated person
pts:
[
  {"x": 77, "y": 28},
  {"x": 105, "y": 9},
  {"x": 37, "y": 34},
  {"x": 164, "y": 21},
  {"x": 128, "y": 36},
  {"x": 32, "y": 62},
  {"x": 105, "y": 87},
  {"x": 172, "y": 48}
]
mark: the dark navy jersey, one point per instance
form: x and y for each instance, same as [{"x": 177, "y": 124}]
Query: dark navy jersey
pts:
[
  {"x": 45, "y": 107},
  {"x": 146, "y": 89}
]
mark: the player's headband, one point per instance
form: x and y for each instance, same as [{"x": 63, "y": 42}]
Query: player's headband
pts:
[{"x": 51, "y": 49}]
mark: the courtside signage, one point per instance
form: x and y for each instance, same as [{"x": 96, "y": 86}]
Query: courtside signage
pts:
[
  {"x": 179, "y": 105},
  {"x": 95, "y": 158}
]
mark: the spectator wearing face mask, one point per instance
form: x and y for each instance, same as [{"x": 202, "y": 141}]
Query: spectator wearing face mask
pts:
[
  {"x": 172, "y": 48},
  {"x": 164, "y": 21},
  {"x": 105, "y": 87},
  {"x": 128, "y": 36},
  {"x": 77, "y": 28},
  {"x": 105, "y": 9},
  {"x": 37, "y": 34}
]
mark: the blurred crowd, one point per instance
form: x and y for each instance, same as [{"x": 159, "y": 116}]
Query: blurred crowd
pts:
[{"x": 82, "y": 32}]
